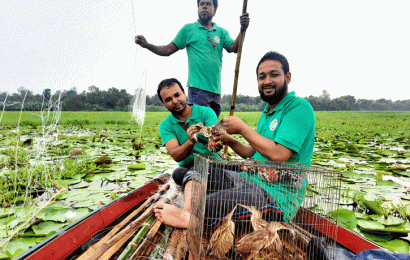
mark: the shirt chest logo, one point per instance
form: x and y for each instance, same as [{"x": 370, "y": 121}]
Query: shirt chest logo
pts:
[
  {"x": 273, "y": 124},
  {"x": 216, "y": 39}
]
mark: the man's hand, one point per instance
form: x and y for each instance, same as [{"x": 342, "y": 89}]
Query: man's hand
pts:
[
  {"x": 139, "y": 39},
  {"x": 244, "y": 21},
  {"x": 233, "y": 124},
  {"x": 193, "y": 131}
]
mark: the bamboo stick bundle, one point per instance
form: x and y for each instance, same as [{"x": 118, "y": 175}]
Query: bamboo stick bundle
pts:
[
  {"x": 147, "y": 241},
  {"x": 172, "y": 245},
  {"x": 182, "y": 247},
  {"x": 128, "y": 229},
  {"x": 119, "y": 226},
  {"x": 126, "y": 254},
  {"x": 160, "y": 248},
  {"x": 152, "y": 245}
]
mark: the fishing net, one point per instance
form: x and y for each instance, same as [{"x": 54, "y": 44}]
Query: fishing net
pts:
[{"x": 286, "y": 202}]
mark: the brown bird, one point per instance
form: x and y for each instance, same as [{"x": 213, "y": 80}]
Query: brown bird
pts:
[
  {"x": 256, "y": 241},
  {"x": 223, "y": 238},
  {"x": 256, "y": 218}
]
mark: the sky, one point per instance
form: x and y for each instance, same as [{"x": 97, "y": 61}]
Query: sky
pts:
[{"x": 359, "y": 48}]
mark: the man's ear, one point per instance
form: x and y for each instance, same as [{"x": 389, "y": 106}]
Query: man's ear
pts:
[{"x": 288, "y": 77}]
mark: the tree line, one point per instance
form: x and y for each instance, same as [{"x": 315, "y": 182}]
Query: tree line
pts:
[{"x": 114, "y": 99}]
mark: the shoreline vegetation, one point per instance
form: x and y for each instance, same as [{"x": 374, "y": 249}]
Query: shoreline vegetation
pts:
[{"x": 119, "y": 100}]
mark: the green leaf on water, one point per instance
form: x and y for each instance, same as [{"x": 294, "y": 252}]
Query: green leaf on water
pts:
[
  {"x": 389, "y": 221},
  {"x": 44, "y": 228},
  {"x": 369, "y": 225},
  {"x": 377, "y": 237},
  {"x": 344, "y": 217},
  {"x": 397, "y": 245},
  {"x": 136, "y": 167},
  {"x": 361, "y": 216}
]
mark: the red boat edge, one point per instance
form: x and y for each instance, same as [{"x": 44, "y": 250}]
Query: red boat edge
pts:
[{"x": 63, "y": 243}]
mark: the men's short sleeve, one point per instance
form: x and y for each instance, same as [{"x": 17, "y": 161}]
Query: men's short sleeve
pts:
[{"x": 181, "y": 38}]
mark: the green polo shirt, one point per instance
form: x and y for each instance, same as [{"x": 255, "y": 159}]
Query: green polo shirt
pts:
[
  {"x": 292, "y": 124},
  {"x": 204, "y": 60},
  {"x": 171, "y": 129}
]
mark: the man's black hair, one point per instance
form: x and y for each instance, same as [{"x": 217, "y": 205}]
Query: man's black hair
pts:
[
  {"x": 215, "y": 3},
  {"x": 272, "y": 55},
  {"x": 168, "y": 83}
]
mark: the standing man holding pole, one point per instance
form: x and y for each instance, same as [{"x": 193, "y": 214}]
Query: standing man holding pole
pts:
[{"x": 204, "y": 41}]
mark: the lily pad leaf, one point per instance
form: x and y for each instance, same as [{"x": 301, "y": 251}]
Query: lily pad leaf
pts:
[
  {"x": 345, "y": 218},
  {"x": 369, "y": 225},
  {"x": 137, "y": 166},
  {"x": 46, "y": 227},
  {"x": 389, "y": 221},
  {"x": 397, "y": 245}
]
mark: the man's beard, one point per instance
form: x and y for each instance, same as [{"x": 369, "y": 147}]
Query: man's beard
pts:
[
  {"x": 275, "y": 97},
  {"x": 205, "y": 18},
  {"x": 179, "y": 112}
]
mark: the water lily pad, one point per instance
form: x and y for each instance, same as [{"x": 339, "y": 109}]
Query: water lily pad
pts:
[
  {"x": 344, "y": 217},
  {"x": 136, "y": 167},
  {"x": 377, "y": 237},
  {"x": 369, "y": 225},
  {"x": 389, "y": 221},
  {"x": 361, "y": 216},
  {"x": 397, "y": 245},
  {"x": 46, "y": 227}
]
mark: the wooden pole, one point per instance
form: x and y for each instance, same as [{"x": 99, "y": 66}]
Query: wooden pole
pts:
[{"x": 238, "y": 62}]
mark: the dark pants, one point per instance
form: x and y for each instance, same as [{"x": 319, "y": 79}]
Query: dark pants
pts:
[
  {"x": 225, "y": 189},
  {"x": 206, "y": 99}
]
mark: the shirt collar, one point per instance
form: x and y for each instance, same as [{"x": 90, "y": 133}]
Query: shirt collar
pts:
[
  {"x": 194, "y": 115},
  {"x": 213, "y": 28},
  {"x": 281, "y": 103}
]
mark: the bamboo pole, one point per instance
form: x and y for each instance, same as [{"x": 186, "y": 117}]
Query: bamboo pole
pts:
[
  {"x": 137, "y": 239},
  {"x": 238, "y": 62},
  {"x": 147, "y": 241},
  {"x": 159, "y": 250},
  {"x": 172, "y": 245},
  {"x": 119, "y": 226},
  {"x": 182, "y": 247},
  {"x": 111, "y": 242}
]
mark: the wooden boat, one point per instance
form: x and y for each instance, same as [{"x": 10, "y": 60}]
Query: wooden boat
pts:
[{"x": 69, "y": 241}]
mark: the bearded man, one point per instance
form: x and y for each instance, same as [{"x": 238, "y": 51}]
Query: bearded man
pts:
[{"x": 285, "y": 131}]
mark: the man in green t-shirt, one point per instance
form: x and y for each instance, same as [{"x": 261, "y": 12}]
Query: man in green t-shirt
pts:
[
  {"x": 204, "y": 42},
  {"x": 180, "y": 135},
  {"x": 285, "y": 131}
]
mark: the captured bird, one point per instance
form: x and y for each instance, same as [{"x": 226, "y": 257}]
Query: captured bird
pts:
[
  {"x": 223, "y": 238},
  {"x": 256, "y": 219},
  {"x": 210, "y": 131},
  {"x": 267, "y": 238}
]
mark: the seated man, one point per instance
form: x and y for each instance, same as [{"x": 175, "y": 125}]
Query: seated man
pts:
[
  {"x": 179, "y": 133},
  {"x": 285, "y": 131}
]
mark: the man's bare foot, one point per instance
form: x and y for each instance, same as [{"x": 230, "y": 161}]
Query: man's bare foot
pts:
[{"x": 171, "y": 215}]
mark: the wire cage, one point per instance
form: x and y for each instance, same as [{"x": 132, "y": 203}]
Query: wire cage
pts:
[{"x": 262, "y": 210}]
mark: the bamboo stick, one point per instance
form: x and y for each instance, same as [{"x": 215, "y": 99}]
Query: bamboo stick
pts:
[
  {"x": 119, "y": 226},
  {"x": 110, "y": 252},
  {"x": 182, "y": 247},
  {"x": 137, "y": 239},
  {"x": 151, "y": 247},
  {"x": 159, "y": 250},
  {"x": 238, "y": 62},
  {"x": 173, "y": 243},
  {"x": 105, "y": 246},
  {"x": 147, "y": 241}
]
